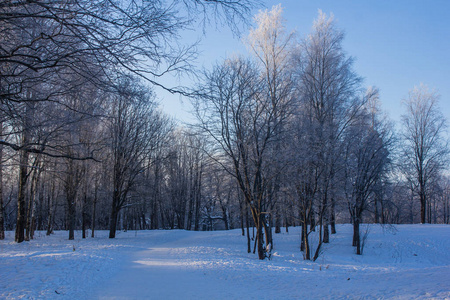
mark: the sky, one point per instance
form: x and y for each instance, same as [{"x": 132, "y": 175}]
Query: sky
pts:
[{"x": 396, "y": 45}]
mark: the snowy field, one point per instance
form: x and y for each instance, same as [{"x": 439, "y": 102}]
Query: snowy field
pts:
[{"x": 411, "y": 262}]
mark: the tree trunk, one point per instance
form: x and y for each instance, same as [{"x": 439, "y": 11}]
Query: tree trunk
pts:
[
  {"x": 94, "y": 210},
  {"x": 225, "y": 217},
  {"x": 230, "y": 220},
  {"x": 319, "y": 246},
  {"x": 376, "y": 214},
  {"x": 32, "y": 201},
  {"x": 286, "y": 223},
  {"x": 326, "y": 232},
  {"x": 356, "y": 236},
  {"x": 49, "y": 216},
  {"x": 260, "y": 239},
  {"x": 84, "y": 216},
  {"x": 241, "y": 210},
  {"x": 324, "y": 223},
  {"x": 39, "y": 212},
  {"x": 429, "y": 213},
  {"x": 125, "y": 217},
  {"x": 33, "y": 218},
  {"x": 71, "y": 215},
  {"x": 191, "y": 199},
  {"x": 113, "y": 223},
  {"x": 277, "y": 220},
  {"x": 163, "y": 217},
  {"x": 305, "y": 242},
  {"x": 304, "y": 225},
  {"x": 325, "y": 218},
  {"x": 423, "y": 204},
  {"x": 312, "y": 220},
  {"x": 333, "y": 216},
  {"x": 302, "y": 244},
  {"x": 247, "y": 223},
  {"x": 115, "y": 208},
  {"x": 188, "y": 224},
  {"x": 2, "y": 213},
  {"x": 198, "y": 198},
  {"x": 268, "y": 233},
  {"x": 51, "y": 209},
  {"x": 71, "y": 192},
  {"x": 23, "y": 172},
  {"x": 154, "y": 215},
  {"x": 20, "y": 225}
]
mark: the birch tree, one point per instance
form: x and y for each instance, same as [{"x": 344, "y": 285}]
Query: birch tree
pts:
[
  {"x": 425, "y": 150},
  {"x": 367, "y": 158},
  {"x": 327, "y": 98},
  {"x": 240, "y": 121},
  {"x": 272, "y": 46}
]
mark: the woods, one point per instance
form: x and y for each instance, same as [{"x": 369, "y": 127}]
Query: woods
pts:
[{"x": 285, "y": 135}]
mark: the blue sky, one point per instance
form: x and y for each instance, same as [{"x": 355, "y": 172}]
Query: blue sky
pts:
[{"x": 396, "y": 45}]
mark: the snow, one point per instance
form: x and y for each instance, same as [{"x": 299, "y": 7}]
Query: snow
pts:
[{"x": 409, "y": 262}]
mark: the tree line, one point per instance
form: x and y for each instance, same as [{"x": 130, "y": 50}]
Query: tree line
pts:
[{"x": 286, "y": 135}]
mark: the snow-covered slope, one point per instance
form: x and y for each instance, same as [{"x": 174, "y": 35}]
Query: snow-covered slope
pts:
[{"x": 410, "y": 262}]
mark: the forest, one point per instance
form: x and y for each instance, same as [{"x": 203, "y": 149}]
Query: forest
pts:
[{"x": 286, "y": 134}]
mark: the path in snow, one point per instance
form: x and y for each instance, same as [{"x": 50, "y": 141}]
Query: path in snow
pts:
[{"x": 164, "y": 271}]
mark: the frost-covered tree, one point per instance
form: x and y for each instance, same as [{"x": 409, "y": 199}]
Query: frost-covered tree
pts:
[
  {"x": 425, "y": 150},
  {"x": 272, "y": 46},
  {"x": 242, "y": 106},
  {"x": 327, "y": 90}
]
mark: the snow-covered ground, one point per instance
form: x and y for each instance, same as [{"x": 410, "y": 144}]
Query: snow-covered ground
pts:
[{"x": 411, "y": 262}]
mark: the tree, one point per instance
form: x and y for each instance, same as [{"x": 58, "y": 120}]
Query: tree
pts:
[
  {"x": 445, "y": 200},
  {"x": 23, "y": 173},
  {"x": 303, "y": 174},
  {"x": 134, "y": 128},
  {"x": 46, "y": 37},
  {"x": 272, "y": 47},
  {"x": 49, "y": 49},
  {"x": 242, "y": 123},
  {"x": 327, "y": 102},
  {"x": 2, "y": 219},
  {"x": 425, "y": 150},
  {"x": 368, "y": 143}
]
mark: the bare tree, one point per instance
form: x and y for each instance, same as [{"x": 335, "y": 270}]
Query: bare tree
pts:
[
  {"x": 425, "y": 150},
  {"x": 49, "y": 49},
  {"x": 134, "y": 126},
  {"x": 368, "y": 143},
  {"x": 240, "y": 120},
  {"x": 2, "y": 219},
  {"x": 446, "y": 200},
  {"x": 138, "y": 36}
]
